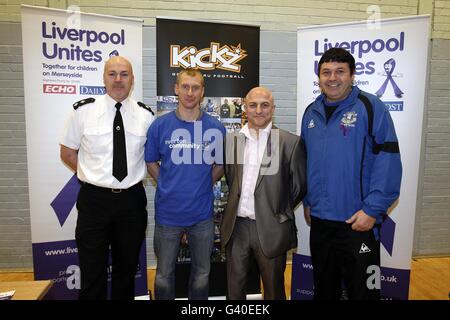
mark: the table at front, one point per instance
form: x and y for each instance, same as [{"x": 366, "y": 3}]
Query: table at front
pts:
[{"x": 27, "y": 290}]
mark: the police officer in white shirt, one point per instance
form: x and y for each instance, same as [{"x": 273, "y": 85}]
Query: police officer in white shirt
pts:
[{"x": 103, "y": 142}]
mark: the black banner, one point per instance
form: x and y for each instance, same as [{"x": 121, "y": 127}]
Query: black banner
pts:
[{"x": 227, "y": 55}]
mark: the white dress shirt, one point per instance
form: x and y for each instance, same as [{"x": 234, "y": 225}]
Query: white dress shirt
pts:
[
  {"x": 89, "y": 130},
  {"x": 253, "y": 154}
]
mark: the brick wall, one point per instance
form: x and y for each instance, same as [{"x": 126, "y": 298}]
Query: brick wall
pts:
[
  {"x": 15, "y": 232},
  {"x": 432, "y": 228},
  {"x": 280, "y": 15}
]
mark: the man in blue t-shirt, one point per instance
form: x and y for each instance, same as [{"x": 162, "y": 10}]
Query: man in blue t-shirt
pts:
[{"x": 184, "y": 154}]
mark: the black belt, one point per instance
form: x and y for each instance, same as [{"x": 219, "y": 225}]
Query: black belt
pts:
[
  {"x": 245, "y": 218},
  {"x": 113, "y": 190}
]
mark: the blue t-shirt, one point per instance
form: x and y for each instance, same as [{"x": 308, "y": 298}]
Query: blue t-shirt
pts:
[{"x": 187, "y": 151}]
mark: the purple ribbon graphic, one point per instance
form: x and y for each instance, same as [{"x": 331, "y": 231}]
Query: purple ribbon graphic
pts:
[
  {"x": 113, "y": 53},
  {"x": 389, "y": 67},
  {"x": 66, "y": 199},
  {"x": 387, "y": 234}
]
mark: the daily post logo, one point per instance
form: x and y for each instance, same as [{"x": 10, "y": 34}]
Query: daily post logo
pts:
[
  {"x": 92, "y": 90},
  {"x": 215, "y": 57}
]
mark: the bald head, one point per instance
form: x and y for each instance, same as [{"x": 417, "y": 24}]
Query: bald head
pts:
[
  {"x": 118, "y": 60},
  {"x": 118, "y": 78},
  {"x": 260, "y": 91},
  {"x": 259, "y": 106}
]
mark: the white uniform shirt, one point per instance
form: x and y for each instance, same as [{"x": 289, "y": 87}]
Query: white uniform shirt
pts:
[
  {"x": 253, "y": 154},
  {"x": 89, "y": 130}
]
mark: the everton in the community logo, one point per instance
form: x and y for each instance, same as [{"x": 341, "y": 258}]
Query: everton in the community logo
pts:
[{"x": 349, "y": 119}]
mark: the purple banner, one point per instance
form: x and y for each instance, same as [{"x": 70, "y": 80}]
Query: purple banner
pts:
[
  {"x": 394, "y": 282},
  {"x": 58, "y": 261},
  {"x": 302, "y": 287},
  {"x": 66, "y": 199}
]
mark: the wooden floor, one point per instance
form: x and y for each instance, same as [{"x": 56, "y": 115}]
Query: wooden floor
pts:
[{"x": 430, "y": 278}]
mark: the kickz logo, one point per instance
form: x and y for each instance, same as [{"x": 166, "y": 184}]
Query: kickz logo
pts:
[{"x": 215, "y": 57}]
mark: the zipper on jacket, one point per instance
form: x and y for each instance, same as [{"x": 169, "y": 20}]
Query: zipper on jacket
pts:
[{"x": 361, "y": 168}]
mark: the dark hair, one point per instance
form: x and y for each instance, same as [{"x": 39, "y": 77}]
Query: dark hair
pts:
[{"x": 338, "y": 55}]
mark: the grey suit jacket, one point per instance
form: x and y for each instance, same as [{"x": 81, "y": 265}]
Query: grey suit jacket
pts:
[{"x": 280, "y": 187}]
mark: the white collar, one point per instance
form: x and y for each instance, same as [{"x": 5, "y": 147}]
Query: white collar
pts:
[
  {"x": 111, "y": 101},
  {"x": 246, "y": 131}
]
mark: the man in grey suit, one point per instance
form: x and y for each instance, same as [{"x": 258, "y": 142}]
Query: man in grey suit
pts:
[{"x": 265, "y": 171}]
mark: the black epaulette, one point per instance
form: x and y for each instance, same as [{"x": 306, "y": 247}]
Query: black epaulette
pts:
[
  {"x": 146, "y": 107},
  {"x": 80, "y": 103}
]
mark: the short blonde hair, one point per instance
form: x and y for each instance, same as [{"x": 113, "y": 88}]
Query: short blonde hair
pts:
[{"x": 191, "y": 72}]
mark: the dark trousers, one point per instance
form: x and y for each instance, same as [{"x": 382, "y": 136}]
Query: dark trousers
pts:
[
  {"x": 344, "y": 257},
  {"x": 109, "y": 220},
  {"x": 241, "y": 251}
]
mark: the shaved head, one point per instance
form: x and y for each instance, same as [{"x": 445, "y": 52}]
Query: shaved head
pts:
[
  {"x": 259, "y": 107},
  {"x": 117, "y": 60},
  {"x": 263, "y": 91},
  {"x": 118, "y": 78}
]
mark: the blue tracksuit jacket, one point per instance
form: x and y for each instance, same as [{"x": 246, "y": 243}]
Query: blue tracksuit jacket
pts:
[{"x": 347, "y": 169}]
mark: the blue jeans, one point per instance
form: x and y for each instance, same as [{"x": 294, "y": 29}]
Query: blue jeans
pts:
[{"x": 166, "y": 246}]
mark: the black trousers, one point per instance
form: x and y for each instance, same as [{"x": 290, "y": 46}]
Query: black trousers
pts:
[
  {"x": 242, "y": 250},
  {"x": 344, "y": 257},
  {"x": 115, "y": 221}
]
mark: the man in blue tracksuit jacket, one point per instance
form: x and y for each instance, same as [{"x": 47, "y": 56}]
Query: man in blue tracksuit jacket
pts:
[{"x": 353, "y": 176}]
